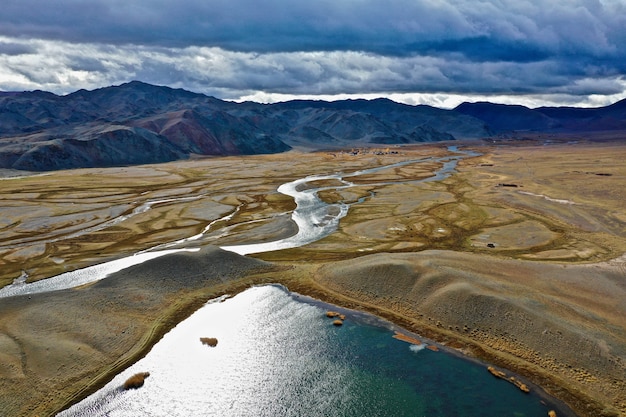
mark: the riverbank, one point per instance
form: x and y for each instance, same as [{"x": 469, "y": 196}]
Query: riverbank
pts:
[
  {"x": 48, "y": 364},
  {"x": 505, "y": 261},
  {"x": 117, "y": 320},
  {"x": 280, "y": 355},
  {"x": 57, "y": 347},
  {"x": 561, "y": 327}
]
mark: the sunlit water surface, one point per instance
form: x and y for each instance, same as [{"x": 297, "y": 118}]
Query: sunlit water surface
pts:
[
  {"x": 315, "y": 220},
  {"x": 279, "y": 355}
]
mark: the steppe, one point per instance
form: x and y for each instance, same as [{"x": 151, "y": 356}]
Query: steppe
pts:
[{"x": 517, "y": 259}]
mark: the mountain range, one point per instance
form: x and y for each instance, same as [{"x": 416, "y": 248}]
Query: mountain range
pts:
[
  {"x": 504, "y": 118},
  {"x": 136, "y": 123}
]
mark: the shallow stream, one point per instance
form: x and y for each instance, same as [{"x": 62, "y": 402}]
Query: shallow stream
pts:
[
  {"x": 278, "y": 355},
  {"x": 315, "y": 219}
]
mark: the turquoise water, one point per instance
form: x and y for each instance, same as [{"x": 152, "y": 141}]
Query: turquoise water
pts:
[{"x": 279, "y": 355}]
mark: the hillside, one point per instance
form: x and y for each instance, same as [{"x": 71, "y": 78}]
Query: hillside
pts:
[
  {"x": 507, "y": 118},
  {"x": 138, "y": 123}
]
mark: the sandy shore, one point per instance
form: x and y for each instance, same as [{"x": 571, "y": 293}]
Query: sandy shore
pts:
[
  {"x": 56, "y": 348},
  {"x": 561, "y": 327}
]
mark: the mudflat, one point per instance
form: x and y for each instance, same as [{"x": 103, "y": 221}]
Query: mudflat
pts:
[{"x": 517, "y": 258}]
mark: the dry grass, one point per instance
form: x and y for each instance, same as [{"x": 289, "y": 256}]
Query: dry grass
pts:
[
  {"x": 525, "y": 315},
  {"x": 67, "y": 219},
  {"x": 541, "y": 287}
]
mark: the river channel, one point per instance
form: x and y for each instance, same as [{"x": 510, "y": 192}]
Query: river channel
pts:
[
  {"x": 315, "y": 220},
  {"x": 279, "y": 355}
]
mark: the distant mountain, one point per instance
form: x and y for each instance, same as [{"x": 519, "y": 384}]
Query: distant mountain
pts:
[
  {"x": 217, "y": 133},
  {"x": 106, "y": 145},
  {"x": 137, "y": 123},
  {"x": 383, "y": 121},
  {"x": 507, "y": 118}
]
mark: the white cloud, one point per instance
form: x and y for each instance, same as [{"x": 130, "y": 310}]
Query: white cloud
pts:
[
  {"x": 63, "y": 67},
  {"x": 572, "y": 49}
]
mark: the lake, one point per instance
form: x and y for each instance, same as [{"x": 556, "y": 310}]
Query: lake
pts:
[{"x": 279, "y": 355}]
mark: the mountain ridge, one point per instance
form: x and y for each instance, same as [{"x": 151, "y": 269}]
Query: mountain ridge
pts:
[
  {"x": 42, "y": 131},
  {"x": 564, "y": 119}
]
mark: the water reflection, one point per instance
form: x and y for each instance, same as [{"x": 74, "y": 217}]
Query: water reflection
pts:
[
  {"x": 278, "y": 356},
  {"x": 316, "y": 219}
]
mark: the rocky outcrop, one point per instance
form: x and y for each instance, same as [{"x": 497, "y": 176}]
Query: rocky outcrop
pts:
[
  {"x": 136, "y": 381},
  {"x": 502, "y": 375},
  {"x": 209, "y": 341},
  {"x": 339, "y": 318}
]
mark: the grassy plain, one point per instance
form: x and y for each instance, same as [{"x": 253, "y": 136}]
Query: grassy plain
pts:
[{"x": 517, "y": 259}]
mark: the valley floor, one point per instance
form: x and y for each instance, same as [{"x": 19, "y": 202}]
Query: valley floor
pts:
[{"x": 516, "y": 259}]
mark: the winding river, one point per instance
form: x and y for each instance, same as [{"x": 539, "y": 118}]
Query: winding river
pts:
[
  {"x": 279, "y": 355},
  {"x": 315, "y": 220}
]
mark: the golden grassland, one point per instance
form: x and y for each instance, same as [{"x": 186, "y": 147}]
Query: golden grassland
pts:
[{"x": 516, "y": 259}]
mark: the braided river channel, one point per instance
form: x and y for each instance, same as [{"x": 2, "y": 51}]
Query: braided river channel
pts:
[{"x": 277, "y": 353}]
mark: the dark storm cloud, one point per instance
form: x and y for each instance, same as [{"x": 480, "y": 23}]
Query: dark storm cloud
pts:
[
  {"x": 14, "y": 48},
  {"x": 268, "y": 26},
  {"x": 502, "y": 30},
  {"x": 233, "y": 48}
]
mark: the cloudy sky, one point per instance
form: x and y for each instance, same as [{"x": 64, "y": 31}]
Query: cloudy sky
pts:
[{"x": 438, "y": 52}]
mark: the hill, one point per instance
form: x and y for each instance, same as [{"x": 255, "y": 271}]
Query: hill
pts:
[
  {"x": 138, "y": 123},
  {"x": 507, "y": 118}
]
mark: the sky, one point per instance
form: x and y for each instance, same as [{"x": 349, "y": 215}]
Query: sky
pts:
[{"x": 436, "y": 52}]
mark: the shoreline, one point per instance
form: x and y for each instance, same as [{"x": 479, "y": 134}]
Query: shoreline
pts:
[
  {"x": 157, "y": 331},
  {"x": 461, "y": 270},
  {"x": 298, "y": 279},
  {"x": 576, "y": 394},
  {"x": 479, "y": 354},
  {"x": 318, "y": 295},
  {"x": 413, "y": 336}
]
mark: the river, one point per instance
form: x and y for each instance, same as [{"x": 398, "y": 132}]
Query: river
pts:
[
  {"x": 279, "y": 355},
  {"x": 315, "y": 220}
]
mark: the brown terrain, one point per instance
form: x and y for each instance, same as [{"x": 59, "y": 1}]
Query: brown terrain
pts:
[{"x": 517, "y": 259}]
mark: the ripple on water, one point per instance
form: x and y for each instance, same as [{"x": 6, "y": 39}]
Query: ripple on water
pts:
[{"x": 279, "y": 356}]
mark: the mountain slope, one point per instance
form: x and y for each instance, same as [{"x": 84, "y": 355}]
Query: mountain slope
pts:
[
  {"x": 108, "y": 146},
  {"x": 218, "y": 133},
  {"x": 507, "y": 118},
  {"x": 142, "y": 123}
]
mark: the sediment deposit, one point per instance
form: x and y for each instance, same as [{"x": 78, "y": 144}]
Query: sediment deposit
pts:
[{"x": 530, "y": 278}]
